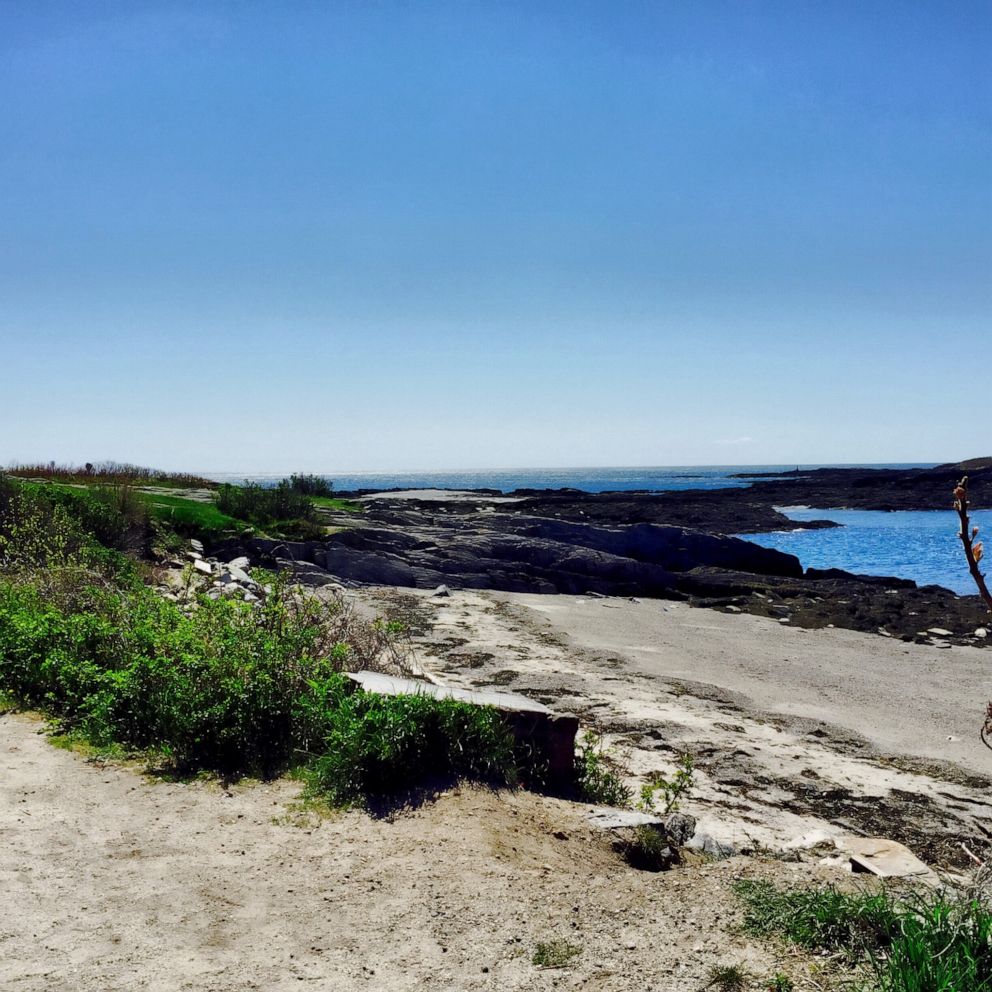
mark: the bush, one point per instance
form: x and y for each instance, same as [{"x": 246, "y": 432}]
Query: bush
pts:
[
  {"x": 218, "y": 690},
  {"x": 311, "y": 485},
  {"x": 265, "y": 504},
  {"x": 649, "y": 850},
  {"x": 376, "y": 745},
  {"x": 595, "y": 781}
]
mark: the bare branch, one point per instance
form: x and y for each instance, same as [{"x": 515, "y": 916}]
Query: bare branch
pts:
[{"x": 973, "y": 552}]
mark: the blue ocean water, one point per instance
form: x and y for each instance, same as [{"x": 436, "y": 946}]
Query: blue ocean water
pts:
[
  {"x": 912, "y": 544},
  {"x": 591, "y": 480}
]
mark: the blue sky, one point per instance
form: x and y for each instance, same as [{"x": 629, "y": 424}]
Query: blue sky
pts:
[{"x": 342, "y": 236}]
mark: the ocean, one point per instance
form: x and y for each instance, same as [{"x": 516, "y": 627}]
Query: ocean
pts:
[
  {"x": 921, "y": 546},
  {"x": 591, "y": 480}
]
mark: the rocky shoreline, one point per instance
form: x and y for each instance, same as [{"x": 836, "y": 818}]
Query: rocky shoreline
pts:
[{"x": 665, "y": 545}]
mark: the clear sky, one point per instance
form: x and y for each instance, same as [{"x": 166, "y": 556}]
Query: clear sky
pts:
[{"x": 340, "y": 236}]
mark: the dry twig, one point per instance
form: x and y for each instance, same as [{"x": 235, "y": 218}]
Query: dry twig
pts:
[{"x": 973, "y": 553}]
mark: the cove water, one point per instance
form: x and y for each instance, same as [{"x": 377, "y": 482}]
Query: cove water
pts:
[{"x": 921, "y": 545}]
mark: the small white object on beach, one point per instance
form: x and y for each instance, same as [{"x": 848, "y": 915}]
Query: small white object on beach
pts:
[
  {"x": 940, "y": 632},
  {"x": 981, "y": 632}
]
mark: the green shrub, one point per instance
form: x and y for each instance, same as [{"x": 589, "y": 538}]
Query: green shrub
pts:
[
  {"x": 219, "y": 689},
  {"x": 649, "y": 850},
  {"x": 672, "y": 790},
  {"x": 595, "y": 781},
  {"x": 54, "y": 523},
  {"x": 311, "y": 485},
  {"x": 376, "y": 745},
  {"x": 265, "y": 504}
]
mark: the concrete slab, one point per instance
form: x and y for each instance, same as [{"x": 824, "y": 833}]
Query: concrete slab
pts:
[
  {"x": 884, "y": 858},
  {"x": 389, "y": 685},
  {"x": 608, "y": 818}
]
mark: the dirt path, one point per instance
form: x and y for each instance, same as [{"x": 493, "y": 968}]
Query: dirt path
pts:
[
  {"x": 769, "y": 713},
  {"x": 114, "y": 881}
]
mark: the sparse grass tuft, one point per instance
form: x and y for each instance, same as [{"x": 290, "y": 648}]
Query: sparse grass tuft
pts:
[
  {"x": 928, "y": 941},
  {"x": 649, "y": 850},
  {"x": 820, "y": 918},
  {"x": 555, "y": 953},
  {"x": 727, "y": 978},
  {"x": 781, "y": 983}
]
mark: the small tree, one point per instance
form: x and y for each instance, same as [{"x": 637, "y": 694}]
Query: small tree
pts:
[{"x": 973, "y": 551}]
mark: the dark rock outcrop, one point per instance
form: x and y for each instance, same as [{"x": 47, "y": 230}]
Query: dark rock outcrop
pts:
[{"x": 525, "y": 554}]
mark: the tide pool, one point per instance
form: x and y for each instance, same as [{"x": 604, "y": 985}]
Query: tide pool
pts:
[{"x": 911, "y": 544}]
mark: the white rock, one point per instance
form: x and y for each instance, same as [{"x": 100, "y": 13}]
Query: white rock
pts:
[
  {"x": 940, "y": 632},
  {"x": 241, "y": 562},
  {"x": 981, "y": 632},
  {"x": 196, "y": 545},
  {"x": 732, "y": 609},
  {"x": 203, "y": 566}
]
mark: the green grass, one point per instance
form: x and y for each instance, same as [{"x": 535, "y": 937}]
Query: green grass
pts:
[
  {"x": 189, "y": 515},
  {"x": 334, "y": 503},
  {"x": 820, "y": 918},
  {"x": 928, "y": 941}
]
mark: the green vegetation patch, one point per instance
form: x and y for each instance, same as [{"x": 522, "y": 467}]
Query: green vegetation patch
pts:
[
  {"x": 336, "y": 503},
  {"x": 927, "y": 941},
  {"x": 377, "y": 745},
  {"x": 596, "y": 780},
  {"x": 265, "y": 504},
  {"x": 190, "y": 516},
  {"x": 229, "y": 688},
  {"x": 555, "y": 953}
]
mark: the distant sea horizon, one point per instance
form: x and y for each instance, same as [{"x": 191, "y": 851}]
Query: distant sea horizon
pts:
[{"x": 662, "y": 478}]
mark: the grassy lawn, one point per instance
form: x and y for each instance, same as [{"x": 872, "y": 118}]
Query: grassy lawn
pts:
[
  {"x": 189, "y": 513},
  {"x": 333, "y": 503}
]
